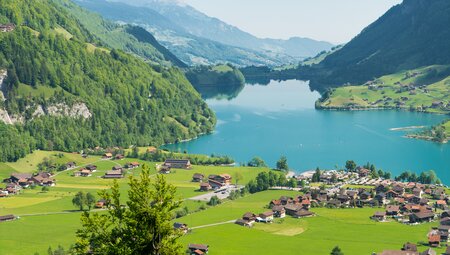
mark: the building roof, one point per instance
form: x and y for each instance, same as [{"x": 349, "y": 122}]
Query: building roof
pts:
[
  {"x": 266, "y": 214},
  {"x": 177, "y": 161},
  {"x": 198, "y": 176},
  {"x": 390, "y": 252},
  {"x": 379, "y": 214},
  {"x": 198, "y": 246}
]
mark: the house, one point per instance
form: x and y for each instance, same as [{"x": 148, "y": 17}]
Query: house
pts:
[
  {"x": 181, "y": 227},
  {"x": 445, "y": 221},
  {"x": 445, "y": 214},
  {"x": 83, "y": 173},
  {"x": 117, "y": 168},
  {"x": 91, "y": 168},
  {"x": 409, "y": 247},
  {"x": 441, "y": 204},
  {"x": 392, "y": 210},
  {"x": 71, "y": 165},
  {"x": 302, "y": 213},
  {"x": 399, "y": 190},
  {"x": 100, "y": 203},
  {"x": 193, "y": 248},
  {"x": 7, "y": 218},
  {"x": 43, "y": 179},
  {"x": 119, "y": 157},
  {"x": 107, "y": 155},
  {"x": 363, "y": 172},
  {"x": 434, "y": 238},
  {"x": 19, "y": 178},
  {"x": 292, "y": 209},
  {"x": 113, "y": 174},
  {"x": 420, "y": 217},
  {"x": 198, "y": 177},
  {"x": 391, "y": 194},
  {"x": 265, "y": 217},
  {"x": 250, "y": 217},
  {"x": 152, "y": 149},
  {"x": 243, "y": 222},
  {"x": 418, "y": 192},
  {"x": 381, "y": 188},
  {"x": 178, "y": 163},
  {"x": 7, "y": 27},
  {"x": 215, "y": 184},
  {"x": 204, "y": 186},
  {"x": 279, "y": 211},
  {"x": 365, "y": 195},
  {"x": 379, "y": 216},
  {"x": 334, "y": 203},
  {"x": 224, "y": 179},
  {"x": 164, "y": 170},
  {"x": 444, "y": 232},
  {"x": 132, "y": 165},
  {"x": 381, "y": 198}
]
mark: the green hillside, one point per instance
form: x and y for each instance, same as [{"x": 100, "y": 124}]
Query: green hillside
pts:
[
  {"x": 409, "y": 36},
  {"x": 131, "y": 39},
  {"x": 129, "y": 102}
]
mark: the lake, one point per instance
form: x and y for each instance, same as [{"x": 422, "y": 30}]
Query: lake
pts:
[{"x": 280, "y": 119}]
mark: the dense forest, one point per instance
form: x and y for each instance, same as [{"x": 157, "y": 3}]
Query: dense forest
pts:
[{"x": 50, "y": 60}]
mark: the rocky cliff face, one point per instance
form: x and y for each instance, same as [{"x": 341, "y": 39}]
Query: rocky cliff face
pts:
[{"x": 77, "y": 110}]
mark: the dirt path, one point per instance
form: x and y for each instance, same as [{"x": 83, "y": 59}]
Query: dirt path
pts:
[{"x": 214, "y": 224}]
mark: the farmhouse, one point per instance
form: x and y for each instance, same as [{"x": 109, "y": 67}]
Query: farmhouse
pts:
[
  {"x": 421, "y": 217},
  {"x": 71, "y": 165},
  {"x": 302, "y": 213},
  {"x": 107, "y": 156},
  {"x": 181, "y": 227},
  {"x": 205, "y": 186},
  {"x": 250, "y": 217},
  {"x": 224, "y": 179},
  {"x": 409, "y": 247},
  {"x": 243, "y": 223},
  {"x": 198, "y": 177},
  {"x": 279, "y": 211},
  {"x": 119, "y": 157},
  {"x": 91, "y": 168},
  {"x": 117, "y": 168},
  {"x": 132, "y": 165},
  {"x": 83, "y": 173},
  {"x": 7, "y": 218},
  {"x": 43, "y": 179},
  {"x": 265, "y": 217},
  {"x": 215, "y": 184},
  {"x": 101, "y": 203},
  {"x": 164, "y": 170},
  {"x": 198, "y": 247},
  {"x": 152, "y": 149},
  {"x": 379, "y": 216},
  {"x": 392, "y": 210},
  {"x": 178, "y": 163},
  {"x": 7, "y": 27},
  {"x": 113, "y": 174},
  {"x": 434, "y": 238}
]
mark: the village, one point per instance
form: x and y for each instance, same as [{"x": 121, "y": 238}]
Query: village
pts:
[{"x": 408, "y": 203}]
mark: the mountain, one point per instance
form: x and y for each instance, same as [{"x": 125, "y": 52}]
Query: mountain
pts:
[
  {"x": 201, "y": 25},
  {"x": 198, "y": 39},
  {"x": 410, "y": 35},
  {"x": 63, "y": 89},
  {"x": 131, "y": 39}
]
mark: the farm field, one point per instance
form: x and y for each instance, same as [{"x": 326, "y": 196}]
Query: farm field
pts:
[{"x": 51, "y": 214}]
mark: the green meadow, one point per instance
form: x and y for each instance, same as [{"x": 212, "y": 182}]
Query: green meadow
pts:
[
  {"x": 391, "y": 90},
  {"x": 50, "y": 219}
]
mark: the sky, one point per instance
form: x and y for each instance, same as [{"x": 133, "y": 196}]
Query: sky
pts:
[{"x": 336, "y": 21}]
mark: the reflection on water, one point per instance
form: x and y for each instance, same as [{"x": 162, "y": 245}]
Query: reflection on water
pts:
[{"x": 280, "y": 119}]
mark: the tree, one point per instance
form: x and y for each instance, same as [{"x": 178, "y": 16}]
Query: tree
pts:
[
  {"x": 45, "y": 189},
  {"x": 316, "y": 176},
  {"x": 292, "y": 183},
  {"x": 142, "y": 227},
  {"x": 336, "y": 251},
  {"x": 90, "y": 200},
  {"x": 334, "y": 178},
  {"x": 237, "y": 177},
  {"x": 257, "y": 162},
  {"x": 350, "y": 165},
  {"x": 282, "y": 164},
  {"x": 214, "y": 200},
  {"x": 79, "y": 200}
]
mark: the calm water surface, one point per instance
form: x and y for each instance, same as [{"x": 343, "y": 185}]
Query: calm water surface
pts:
[{"x": 280, "y": 119}]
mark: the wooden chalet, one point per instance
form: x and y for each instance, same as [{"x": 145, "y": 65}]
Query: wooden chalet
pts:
[
  {"x": 181, "y": 227},
  {"x": 379, "y": 216},
  {"x": 92, "y": 168},
  {"x": 279, "y": 211},
  {"x": 119, "y": 157},
  {"x": 113, "y": 174},
  {"x": 205, "y": 186},
  {"x": 434, "y": 238},
  {"x": 409, "y": 247},
  {"x": 419, "y": 217},
  {"x": 7, "y": 218},
  {"x": 197, "y": 177},
  {"x": 198, "y": 247},
  {"x": 224, "y": 179},
  {"x": 392, "y": 210},
  {"x": 107, "y": 155},
  {"x": 70, "y": 165},
  {"x": 132, "y": 165},
  {"x": 265, "y": 217},
  {"x": 178, "y": 163}
]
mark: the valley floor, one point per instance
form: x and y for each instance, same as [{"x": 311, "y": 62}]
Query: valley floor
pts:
[{"x": 50, "y": 219}]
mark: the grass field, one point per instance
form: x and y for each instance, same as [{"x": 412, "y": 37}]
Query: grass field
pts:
[
  {"x": 351, "y": 229},
  {"x": 394, "y": 91},
  {"x": 50, "y": 219}
]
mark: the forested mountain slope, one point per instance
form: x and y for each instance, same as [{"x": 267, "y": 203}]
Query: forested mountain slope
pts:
[
  {"x": 64, "y": 92},
  {"x": 413, "y": 34}
]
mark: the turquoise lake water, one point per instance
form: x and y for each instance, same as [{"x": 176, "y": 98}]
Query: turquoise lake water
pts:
[{"x": 280, "y": 119}]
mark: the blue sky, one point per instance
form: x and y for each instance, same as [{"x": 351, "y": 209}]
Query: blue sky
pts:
[{"x": 336, "y": 21}]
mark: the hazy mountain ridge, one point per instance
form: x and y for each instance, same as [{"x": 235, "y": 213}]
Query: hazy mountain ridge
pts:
[{"x": 174, "y": 22}]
